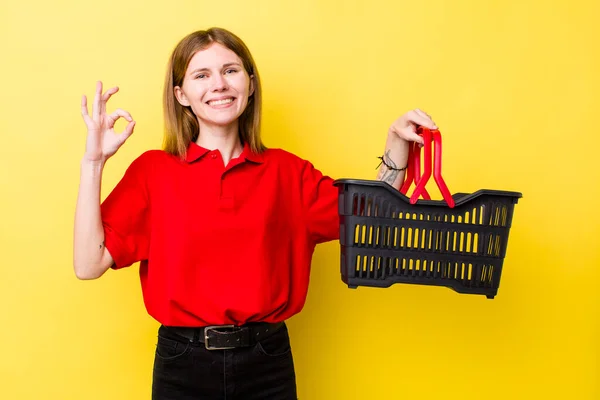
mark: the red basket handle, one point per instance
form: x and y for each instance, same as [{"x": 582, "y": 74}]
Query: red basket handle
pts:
[{"x": 413, "y": 172}]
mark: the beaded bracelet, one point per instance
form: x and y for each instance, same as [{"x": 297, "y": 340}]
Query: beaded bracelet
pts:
[{"x": 388, "y": 166}]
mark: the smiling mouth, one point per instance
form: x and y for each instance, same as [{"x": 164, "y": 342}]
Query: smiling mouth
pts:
[{"x": 221, "y": 102}]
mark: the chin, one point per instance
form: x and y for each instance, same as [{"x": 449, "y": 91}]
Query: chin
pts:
[{"x": 224, "y": 120}]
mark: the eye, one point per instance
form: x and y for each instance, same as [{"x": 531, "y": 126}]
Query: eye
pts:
[
  {"x": 230, "y": 71},
  {"x": 200, "y": 76}
]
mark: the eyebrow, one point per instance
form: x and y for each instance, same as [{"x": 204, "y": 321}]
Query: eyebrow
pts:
[{"x": 207, "y": 69}]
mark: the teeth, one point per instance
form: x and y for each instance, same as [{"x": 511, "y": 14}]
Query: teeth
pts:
[{"x": 220, "y": 102}]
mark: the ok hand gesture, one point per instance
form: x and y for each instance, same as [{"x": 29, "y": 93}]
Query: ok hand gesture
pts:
[{"x": 102, "y": 141}]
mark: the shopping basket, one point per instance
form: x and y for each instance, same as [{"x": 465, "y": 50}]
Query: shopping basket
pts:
[{"x": 459, "y": 242}]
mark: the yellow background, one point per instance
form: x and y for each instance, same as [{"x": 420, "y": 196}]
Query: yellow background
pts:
[{"x": 514, "y": 87}]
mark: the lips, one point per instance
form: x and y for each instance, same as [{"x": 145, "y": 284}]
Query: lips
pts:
[{"x": 221, "y": 101}]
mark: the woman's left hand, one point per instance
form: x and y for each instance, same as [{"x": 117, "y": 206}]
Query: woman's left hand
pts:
[{"x": 405, "y": 127}]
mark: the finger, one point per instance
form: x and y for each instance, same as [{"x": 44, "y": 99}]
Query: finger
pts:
[
  {"x": 424, "y": 114},
  {"x": 122, "y": 113},
  {"x": 118, "y": 113},
  {"x": 127, "y": 132},
  {"x": 96, "y": 108},
  {"x": 104, "y": 98},
  {"x": 84, "y": 110},
  {"x": 413, "y": 137},
  {"x": 418, "y": 118},
  {"x": 109, "y": 93}
]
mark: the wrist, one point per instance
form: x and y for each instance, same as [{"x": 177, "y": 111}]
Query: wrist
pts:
[
  {"x": 93, "y": 163},
  {"x": 393, "y": 136}
]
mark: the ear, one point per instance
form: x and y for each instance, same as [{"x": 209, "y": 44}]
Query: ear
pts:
[
  {"x": 180, "y": 96},
  {"x": 251, "y": 91}
]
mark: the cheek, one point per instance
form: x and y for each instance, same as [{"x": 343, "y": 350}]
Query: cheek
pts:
[
  {"x": 195, "y": 90},
  {"x": 242, "y": 86}
]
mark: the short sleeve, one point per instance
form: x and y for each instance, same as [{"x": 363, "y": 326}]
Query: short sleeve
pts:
[
  {"x": 125, "y": 216},
  {"x": 320, "y": 198}
]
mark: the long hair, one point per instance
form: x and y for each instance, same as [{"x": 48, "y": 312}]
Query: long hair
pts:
[{"x": 181, "y": 125}]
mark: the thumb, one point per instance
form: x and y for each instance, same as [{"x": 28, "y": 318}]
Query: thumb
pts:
[
  {"x": 127, "y": 132},
  {"x": 412, "y": 136}
]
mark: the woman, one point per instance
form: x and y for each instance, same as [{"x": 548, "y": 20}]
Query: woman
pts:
[{"x": 223, "y": 227}]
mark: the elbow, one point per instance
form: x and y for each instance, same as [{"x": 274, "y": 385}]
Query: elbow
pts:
[
  {"x": 85, "y": 272},
  {"x": 85, "y": 276}
]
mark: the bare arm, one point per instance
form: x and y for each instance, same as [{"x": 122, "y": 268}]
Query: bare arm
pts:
[
  {"x": 91, "y": 259},
  {"x": 400, "y": 134}
]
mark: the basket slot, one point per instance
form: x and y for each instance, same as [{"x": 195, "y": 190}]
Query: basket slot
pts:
[
  {"x": 406, "y": 267},
  {"x": 424, "y": 267},
  {"x": 365, "y": 205},
  {"x": 416, "y": 238},
  {"x": 494, "y": 216},
  {"x": 475, "y": 215},
  {"x": 382, "y": 236},
  {"x": 453, "y": 241},
  {"x": 368, "y": 207},
  {"x": 445, "y": 241},
  {"x": 493, "y": 245},
  {"x": 385, "y": 208},
  {"x": 497, "y": 243},
  {"x": 454, "y": 271},
  {"x": 375, "y": 267},
  {"x": 498, "y": 215},
  {"x": 445, "y": 270},
  {"x": 430, "y": 241},
  {"x": 361, "y": 266},
  {"x": 487, "y": 275},
  {"x": 391, "y": 266},
  {"x": 376, "y": 207},
  {"x": 472, "y": 248},
  {"x": 356, "y": 204},
  {"x": 430, "y": 268},
  {"x": 478, "y": 272},
  {"x": 419, "y": 267},
  {"x": 423, "y": 239},
  {"x": 467, "y": 271}
]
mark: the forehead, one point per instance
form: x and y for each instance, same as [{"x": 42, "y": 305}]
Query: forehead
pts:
[{"x": 214, "y": 56}]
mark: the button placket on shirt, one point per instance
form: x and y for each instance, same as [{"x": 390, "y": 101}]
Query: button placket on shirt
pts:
[{"x": 226, "y": 199}]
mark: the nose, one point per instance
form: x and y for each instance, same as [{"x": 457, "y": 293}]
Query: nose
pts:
[{"x": 219, "y": 83}]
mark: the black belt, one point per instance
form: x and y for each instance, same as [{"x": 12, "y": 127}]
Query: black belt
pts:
[{"x": 222, "y": 337}]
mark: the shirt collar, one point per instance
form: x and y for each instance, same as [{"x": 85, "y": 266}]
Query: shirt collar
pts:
[{"x": 195, "y": 152}]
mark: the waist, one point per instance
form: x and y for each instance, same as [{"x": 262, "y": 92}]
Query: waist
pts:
[{"x": 222, "y": 337}]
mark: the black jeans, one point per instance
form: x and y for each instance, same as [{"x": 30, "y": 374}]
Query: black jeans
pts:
[{"x": 185, "y": 370}]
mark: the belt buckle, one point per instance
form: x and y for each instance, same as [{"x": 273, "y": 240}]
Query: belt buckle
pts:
[{"x": 214, "y": 328}]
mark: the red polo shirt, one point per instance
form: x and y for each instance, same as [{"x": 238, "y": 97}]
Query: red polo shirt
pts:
[{"x": 216, "y": 244}]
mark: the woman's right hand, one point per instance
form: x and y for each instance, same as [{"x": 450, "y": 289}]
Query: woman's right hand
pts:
[{"x": 102, "y": 141}]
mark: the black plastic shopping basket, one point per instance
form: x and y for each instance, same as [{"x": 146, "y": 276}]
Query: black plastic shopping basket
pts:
[{"x": 386, "y": 237}]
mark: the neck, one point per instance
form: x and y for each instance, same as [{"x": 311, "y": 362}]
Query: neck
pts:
[{"x": 226, "y": 139}]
